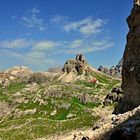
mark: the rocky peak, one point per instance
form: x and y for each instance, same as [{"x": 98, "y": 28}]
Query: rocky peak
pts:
[
  {"x": 76, "y": 65},
  {"x": 80, "y": 57},
  {"x": 76, "y": 69}
]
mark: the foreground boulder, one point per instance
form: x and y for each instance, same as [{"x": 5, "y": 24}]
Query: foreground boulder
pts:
[{"x": 114, "y": 96}]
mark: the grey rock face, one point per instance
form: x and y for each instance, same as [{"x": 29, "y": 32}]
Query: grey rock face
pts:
[{"x": 131, "y": 64}]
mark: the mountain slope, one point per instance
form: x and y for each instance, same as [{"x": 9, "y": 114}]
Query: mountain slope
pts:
[{"x": 33, "y": 110}]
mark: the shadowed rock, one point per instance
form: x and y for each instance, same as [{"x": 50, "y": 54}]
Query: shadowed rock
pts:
[{"x": 131, "y": 64}]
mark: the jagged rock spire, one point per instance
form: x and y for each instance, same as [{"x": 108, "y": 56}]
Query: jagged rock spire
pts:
[{"x": 80, "y": 58}]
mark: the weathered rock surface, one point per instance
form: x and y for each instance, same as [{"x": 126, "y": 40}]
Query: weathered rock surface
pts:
[
  {"x": 113, "y": 71},
  {"x": 55, "y": 70},
  {"x": 76, "y": 69},
  {"x": 76, "y": 65},
  {"x": 18, "y": 71},
  {"x": 114, "y": 96},
  {"x": 14, "y": 73},
  {"x": 37, "y": 77},
  {"x": 115, "y": 127},
  {"x": 131, "y": 64}
]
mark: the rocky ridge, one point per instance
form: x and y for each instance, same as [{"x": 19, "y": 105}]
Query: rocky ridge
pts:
[{"x": 113, "y": 71}]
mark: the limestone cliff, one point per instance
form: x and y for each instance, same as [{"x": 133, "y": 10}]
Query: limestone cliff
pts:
[{"x": 131, "y": 64}]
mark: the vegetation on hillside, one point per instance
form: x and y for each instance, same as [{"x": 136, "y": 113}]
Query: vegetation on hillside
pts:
[{"x": 41, "y": 110}]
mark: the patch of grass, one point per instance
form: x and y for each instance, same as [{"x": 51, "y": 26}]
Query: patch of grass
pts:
[
  {"x": 29, "y": 105},
  {"x": 88, "y": 104},
  {"x": 92, "y": 104},
  {"x": 3, "y": 97},
  {"x": 64, "y": 99},
  {"x": 88, "y": 84},
  {"x": 38, "y": 128},
  {"x": 15, "y": 87}
]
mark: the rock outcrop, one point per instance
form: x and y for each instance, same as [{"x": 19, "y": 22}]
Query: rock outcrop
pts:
[
  {"x": 37, "y": 77},
  {"x": 104, "y": 70},
  {"x": 113, "y": 71},
  {"x": 131, "y": 64},
  {"x": 76, "y": 69},
  {"x": 76, "y": 65},
  {"x": 114, "y": 96},
  {"x": 17, "y": 72},
  {"x": 55, "y": 70},
  {"x": 115, "y": 127}
]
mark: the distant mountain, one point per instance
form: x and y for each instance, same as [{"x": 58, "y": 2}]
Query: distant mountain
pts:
[{"x": 114, "y": 71}]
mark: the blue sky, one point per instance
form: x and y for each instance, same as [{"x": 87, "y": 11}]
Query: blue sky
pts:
[{"x": 45, "y": 33}]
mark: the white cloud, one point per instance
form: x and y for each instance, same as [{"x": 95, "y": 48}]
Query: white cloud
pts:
[
  {"x": 44, "y": 45},
  {"x": 76, "y": 43},
  {"x": 42, "y": 52},
  {"x": 33, "y": 20},
  {"x": 14, "y": 44},
  {"x": 39, "y": 58},
  {"x": 41, "y": 45},
  {"x": 58, "y": 19},
  {"x": 34, "y": 57},
  {"x": 88, "y": 46},
  {"x": 86, "y": 26},
  {"x": 10, "y": 53}
]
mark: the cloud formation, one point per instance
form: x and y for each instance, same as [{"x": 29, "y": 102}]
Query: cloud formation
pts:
[
  {"x": 16, "y": 43},
  {"x": 86, "y": 26},
  {"x": 44, "y": 45},
  {"x": 76, "y": 44},
  {"x": 44, "y": 52},
  {"x": 39, "y": 52},
  {"x": 58, "y": 19},
  {"x": 32, "y": 19},
  {"x": 88, "y": 45}
]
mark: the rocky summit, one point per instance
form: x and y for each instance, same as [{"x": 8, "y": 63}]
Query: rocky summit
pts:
[{"x": 77, "y": 69}]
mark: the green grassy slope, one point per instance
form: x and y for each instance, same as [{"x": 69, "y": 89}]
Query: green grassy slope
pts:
[{"x": 51, "y": 108}]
